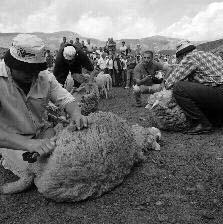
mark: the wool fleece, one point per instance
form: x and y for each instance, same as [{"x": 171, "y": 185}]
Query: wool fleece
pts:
[
  {"x": 87, "y": 163},
  {"x": 165, "y": 113}
]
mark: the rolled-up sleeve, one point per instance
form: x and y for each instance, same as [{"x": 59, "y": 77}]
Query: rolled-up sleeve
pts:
[{"x": 58, "y": 95}]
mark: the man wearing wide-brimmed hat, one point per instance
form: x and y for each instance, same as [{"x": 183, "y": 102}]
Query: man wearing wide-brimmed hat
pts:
[
  {"x": 25, "y": 90},
  {"x": 197, "y": 83}
]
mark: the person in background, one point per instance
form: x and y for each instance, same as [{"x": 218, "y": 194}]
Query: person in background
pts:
[
  {"x": 117, "y": 65},
  {"x": 124, "y": 70},
  {"x": 102, "y": 62},
  {"x": 110, "y": 69},
  {"x": 83, "y": 45},
  {"x": 145, "y": 76},
  {"x": 197, "y": 83},
  {"x": 123, "y": 49},
  {"x": 89, "y": 46},
  {"x": 71, "y": 59},
  {"x": 129, "y": 50},
  {"x": 26, "y": 88},
  {"x": 64, "y": 42},
  {"x": 49, "y": 60},
  {"x": 131, "y": 63},
  {"x": 72, "y": 42},
  {"x": 138, "y": 58},
  {"x": 77, "y": 44},
  {"x": 138, "y": 49}
]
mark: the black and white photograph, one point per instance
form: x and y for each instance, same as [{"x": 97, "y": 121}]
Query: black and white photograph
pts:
[{"x": 111, "y": 112}]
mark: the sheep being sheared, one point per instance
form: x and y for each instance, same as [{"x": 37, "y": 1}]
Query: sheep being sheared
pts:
[
  {"x": 87, "y": 163},
  {"x": 165, "y": 112}
]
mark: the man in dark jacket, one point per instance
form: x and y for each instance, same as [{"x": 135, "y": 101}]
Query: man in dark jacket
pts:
[{"x": 70, "y": 59}]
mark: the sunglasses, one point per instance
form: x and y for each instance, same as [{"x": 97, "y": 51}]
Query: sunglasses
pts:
[{"x": 146, "y": 57}]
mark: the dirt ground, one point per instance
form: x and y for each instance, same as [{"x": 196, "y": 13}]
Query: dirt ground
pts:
[{"x": 181, "y": 184}]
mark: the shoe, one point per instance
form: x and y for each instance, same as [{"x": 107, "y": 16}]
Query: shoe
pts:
[{"x": 200, "y": 129}]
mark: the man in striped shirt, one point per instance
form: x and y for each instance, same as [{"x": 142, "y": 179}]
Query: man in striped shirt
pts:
[{"x": 197, "y": 83}]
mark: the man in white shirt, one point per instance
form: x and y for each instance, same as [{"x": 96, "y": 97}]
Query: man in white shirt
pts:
[
  {"x": 102, "y": 62},
  {"x": 89, "y": 46}
]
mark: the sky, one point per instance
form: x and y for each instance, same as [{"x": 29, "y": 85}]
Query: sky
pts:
[{"x": 197, "y": 20}]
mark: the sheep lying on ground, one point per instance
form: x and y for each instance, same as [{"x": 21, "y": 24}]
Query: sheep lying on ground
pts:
[
  {"x": 165, "y": 113},
  {"x": 93, "y": 161},
  {"x": 104, "y": 83}
]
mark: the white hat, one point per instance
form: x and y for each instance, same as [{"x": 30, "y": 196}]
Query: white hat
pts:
[
  {"x": 69, "y": 52},
  {"x": 184, "y": 46},
  {"x": 27, "y": 53},
  {"x": 28, "y": 48}
]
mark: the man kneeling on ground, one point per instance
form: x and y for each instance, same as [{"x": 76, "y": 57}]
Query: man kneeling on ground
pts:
[
  {"x": 25, "y": 90},
  {"x": 145, "y": 76},
  {"x": 197, "y": 83}
]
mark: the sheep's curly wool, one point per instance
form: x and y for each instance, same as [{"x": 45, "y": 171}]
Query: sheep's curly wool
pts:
[
  {"x": 165, "y": 113},
  {"x": 88, "y": 98},
  {"x": 92, "y": 161}
]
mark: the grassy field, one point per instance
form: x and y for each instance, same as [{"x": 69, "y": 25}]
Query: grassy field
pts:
[{"x": 181, "y": 184}]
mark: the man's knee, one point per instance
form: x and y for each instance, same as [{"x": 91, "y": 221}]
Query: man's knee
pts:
[{"x": 179, "y": 88}]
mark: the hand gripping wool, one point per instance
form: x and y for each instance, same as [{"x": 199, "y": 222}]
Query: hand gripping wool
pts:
[
  {"x": 165, "y": 113},
  {"x": 92, "y": 161}
]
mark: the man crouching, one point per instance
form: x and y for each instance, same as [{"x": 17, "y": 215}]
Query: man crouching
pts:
[{"x": 25, "y": 90}]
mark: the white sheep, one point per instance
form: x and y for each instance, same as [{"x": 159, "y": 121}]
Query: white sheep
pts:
[
  {"x": 165, "y": 113},
  {"x": 104, "y": 83},
  {"x": 89, "y": 162}
]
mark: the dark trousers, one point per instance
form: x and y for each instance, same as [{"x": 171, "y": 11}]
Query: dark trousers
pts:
[
  {"x": 200, "y": 103},
  {"x": 124, "y": 77},
  {"x": 118, "y": 77},
  {"x": 112, "y": 74}
]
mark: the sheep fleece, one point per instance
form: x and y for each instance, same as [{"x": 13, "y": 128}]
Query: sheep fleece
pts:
[
  {"x": 89, "y": 162},
  {"x": 165, "y": 113}
]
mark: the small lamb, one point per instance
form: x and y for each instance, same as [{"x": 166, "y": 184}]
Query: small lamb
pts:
[{"x": 104, "y": 83}]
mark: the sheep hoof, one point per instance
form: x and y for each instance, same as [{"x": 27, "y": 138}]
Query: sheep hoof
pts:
[{"x": 17, "y": 186}]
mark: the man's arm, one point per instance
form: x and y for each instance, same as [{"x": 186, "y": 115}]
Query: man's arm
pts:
[
  {"x": 85, "y": 61},
  {"x": 137, "y": 75},
  {"x": 182, "y": 71},
  {"x": 18, "y": 142},
  {"x": 12, "y": 141}
]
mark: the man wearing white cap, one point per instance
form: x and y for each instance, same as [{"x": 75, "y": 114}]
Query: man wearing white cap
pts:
[
  {"x": 71, "y": 59},
  {"x": 25, "y": 89},
  {"x": 197, "y": 83}
]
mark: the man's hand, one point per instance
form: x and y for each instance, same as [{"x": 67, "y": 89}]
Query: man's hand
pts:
[
  {"x": 79, "y": 120},
  {"x": 162, "y": 86},
  {"x": 41, "y": 146}
]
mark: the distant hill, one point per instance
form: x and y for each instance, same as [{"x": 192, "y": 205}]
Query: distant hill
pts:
[
  {"x": 53, "y": 40},
  {"x": 211, "y": 45}
]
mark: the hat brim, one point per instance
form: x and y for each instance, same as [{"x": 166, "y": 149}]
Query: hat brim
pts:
[
  {"x": 185, "y": 50},
  {"x": 13, "y": 63}
]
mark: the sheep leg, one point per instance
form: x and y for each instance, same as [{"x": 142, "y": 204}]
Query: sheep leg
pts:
[{"x": 18, "y": 186}]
